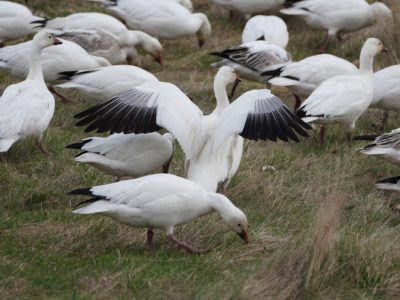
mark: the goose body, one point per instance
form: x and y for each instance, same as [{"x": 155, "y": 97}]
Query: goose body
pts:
[
  {"x": 127, "y": 39},
  {"x": 343, "y": 99},
  {"x": 26, "y": 108},
  {"x": 249, "y": 7},
  {"x": 123, "y": 155},
  {"x": 252, "y": 59},
  {"x": 68, "y": 56},
  {"x": 212, "y": 144},
  {"x": 268, "y": 28},
  {"x": 15, "y": 21},
  {"x": 387, "y": 89},
  {"x": 107, "y": 81},
  {"x": 338, "y": 16},
  {"x": 162, "y": 19},
  {"x": 160, "y": 201}
]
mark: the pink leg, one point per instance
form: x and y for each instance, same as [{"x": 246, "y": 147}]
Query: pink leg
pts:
[
  {"x": 61, "y": 96},
  {"x": 188, "y": 248},
  {"x": 150, "y": 234},
  {"x": 297, "y": 103},
  {"x": 322, "y": 132}
]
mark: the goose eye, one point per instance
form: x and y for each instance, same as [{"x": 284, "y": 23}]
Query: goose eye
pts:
[{"x": 239, "y": 225}]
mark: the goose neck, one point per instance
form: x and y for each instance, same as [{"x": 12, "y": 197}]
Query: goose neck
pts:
[
  {"x": 366, "y": 61},
  {"x": 220, "y": 204},
  {"x": 220, "y": 94},
  {"x": 35, "y": 68}
]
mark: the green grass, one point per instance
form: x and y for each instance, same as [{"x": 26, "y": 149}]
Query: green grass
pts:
[{"x": 318, "y": 227}]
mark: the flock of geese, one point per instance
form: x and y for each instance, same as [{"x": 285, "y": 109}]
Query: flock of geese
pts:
[{"x": 94, "y": 52}]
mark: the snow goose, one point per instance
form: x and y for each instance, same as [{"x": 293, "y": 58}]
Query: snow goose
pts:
[
  {"x": 339, "y": 16},
  {"x": 392, "y": 184},
  {"x": 132, "y": 155},
  {"x": 26, "y": 108},
  {"x": 249, "y": 7},
  {"x": 212, "y": 144},
  {"x": 304, "y": 76},
  {"x": 15, "y": 21},
  {"x": 127, "y": 39},
  {"x": 163, "y": 19},
  {"x": 160, "y": 201},
  {"x": 266, "y": 28},
  {"x": 387, "y": 91},
  {"x": 252, "y": 59},
  {"x": 343, "y": 99},
  {"x": 107, "y": 81},
  {"x": 386, "y": 146}
]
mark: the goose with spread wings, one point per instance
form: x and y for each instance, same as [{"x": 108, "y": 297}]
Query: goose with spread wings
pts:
[{"x": 213, "y": 144}]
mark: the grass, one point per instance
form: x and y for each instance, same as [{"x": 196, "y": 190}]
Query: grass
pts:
[{"x": 318, "y": 227}]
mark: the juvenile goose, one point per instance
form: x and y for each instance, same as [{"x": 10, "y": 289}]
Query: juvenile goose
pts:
[
  {"x": 266, "y": 28},
  {"x": 132, "y": 155},
  {"x": 339, "y": 16},
  {"x": 212, "y": 144},
  {"x": 107, "y": 81},
  {"x": 160, "y": 201},
  {"x": 387, "y": 91},
  {"x": 26, "y": 108},
  {"x": 162, "y": 19},
  {"x": 343, "y": 99},
  {"x": 15, "y": 21},
  {"x": 127, "y": 39},
  {"x": 304, "y": 76}
]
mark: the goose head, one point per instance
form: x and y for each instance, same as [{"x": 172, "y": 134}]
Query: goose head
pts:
[
  {"x": 370, "y": 48},
  {"x": 44, "y": 39},
  {"x": 381, "y": 11},
  {"x": 149, "y": 44},
  {"x": 204, "y": 30},
  {"x": 154, "y": 48},
  {"x": 226, "y": 75},
  {"x": 237, "y": 222}
]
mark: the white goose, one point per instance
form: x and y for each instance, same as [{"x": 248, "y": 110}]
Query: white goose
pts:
[
  {"x": 266, "y": 28},
  {"x": 392, "y": 184},
  {"x": 387, "y": 91},
  {"x": 252, "y": 59},
  {"x": 343, "y": 99},
  {"x": 105, "y": 82},
  {"x": 249, "y": 7},
  {"x": 304, "y": 76},
  {"x": 132, "y": 155},
  {"x": 15, "y": 21},
  {"x": 26, "y": 108},
  {"x": 110, "y": 3},
  {"x": 163, "y": 19},
  {"x": 127, "y": 39},
  {"x": 385, "y": 146},
  {"x": 339, "y": 16},
  {"x": 212, "y": 144},
  {"x": 160, "y": 201}
]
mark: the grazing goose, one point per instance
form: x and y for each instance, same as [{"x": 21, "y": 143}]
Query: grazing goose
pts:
[
  {"x": 339, "y": 16},
  {"x": 343, "y": 99},
  {"x": 386, "y": 146},
  {"x": 249, "y": 7},
  {"x": 304, "y": 76},
  {"x": 163, "y": 19},
  {"x": 15, "y": 21},
  {"x": 105, "y": 82},
  {"x": 26, "y": 108},
  {"x": 68, "y": 56},
  {"x": 392, "y": 184},
  {"x": 387, "y": 91},
  {"x": 131, "y": 154},
  {"x": 160, "y": 201},
  {"x": 127, "y": 39},
  {"x": 266, "y": 28},
  {"x": 212, "y": 144},
  {"x": 252, "y": 59}
]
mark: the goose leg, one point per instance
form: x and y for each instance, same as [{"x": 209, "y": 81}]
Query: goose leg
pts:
[
  {"x": 322, "y": 132},
  {"x": 325, "y": 43},
  {"x": 349, "y": 137},
  {"x": 42, "y": 148},
  {"x": 149, "y": 242},
  {"x": 188, "y": 248},
  {"x": 61, "y": 96},
  {"x": 384, "y": 119},
  {"x": 297, "y": 103}
]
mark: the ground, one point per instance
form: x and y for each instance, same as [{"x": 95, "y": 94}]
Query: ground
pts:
[{"x": 319, "y": 229}]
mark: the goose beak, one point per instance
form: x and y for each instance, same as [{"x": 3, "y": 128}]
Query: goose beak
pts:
[
  {"x": 56, "y": 41},
  {"x": 244, "y": 236},
  {"x": 385, "y": 50},
  {"x": 235, "y": 85},
  {"x": 159, "y": 59}
]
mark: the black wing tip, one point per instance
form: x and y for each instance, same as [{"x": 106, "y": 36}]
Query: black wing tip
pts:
[
  {"x": 371, "y": 137},
  {"x": 41, "y": 22},
  {"x": 218, "y": 54},
  {"x": 68, "y": 75},
  {"x": 78, "y": 145},
  {"x": 273, "y": 73},
  {"x": 81, "y": 191},
  {"x": 392, "y": 180}
]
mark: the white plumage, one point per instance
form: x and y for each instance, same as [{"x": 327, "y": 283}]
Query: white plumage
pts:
[
  {"x": 249, "y": 7},
  {"x": 271, "y": 29},
  {"x": 105, "y": 82},
  {"x": 343, "y": 99},
  {"x": 26, "y": 108},
  {"x": 160, "y": 201},
  {"x": 212, "y": 144},
  {"x": 123, "y": 155}
]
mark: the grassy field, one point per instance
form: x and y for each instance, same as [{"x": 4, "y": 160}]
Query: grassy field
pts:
[{"x": 318, "y": 227}]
